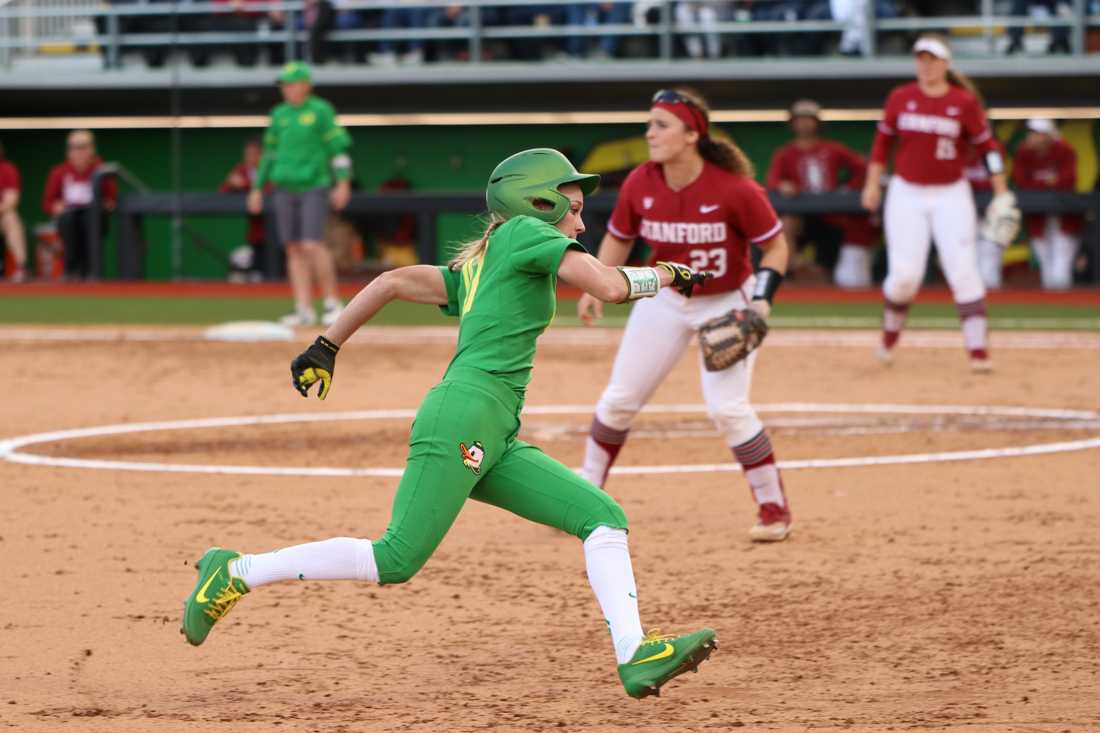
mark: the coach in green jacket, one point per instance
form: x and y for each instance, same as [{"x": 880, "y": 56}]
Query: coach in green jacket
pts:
[{"x": 305, "y": 151}]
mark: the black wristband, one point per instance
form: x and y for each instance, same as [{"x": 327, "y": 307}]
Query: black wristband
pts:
[
  {"x": 325, "y": 343},
  {"x": 767, "y": 282}
]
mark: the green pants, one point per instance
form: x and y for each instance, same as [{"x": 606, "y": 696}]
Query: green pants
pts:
[{"x": 463, "y": 444}]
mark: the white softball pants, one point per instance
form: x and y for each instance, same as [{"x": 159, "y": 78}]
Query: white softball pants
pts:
[
  {"x": 1055, "y": 250},
  {"x": 915, "y": 215},
  {"x": 656, "y": 335}
]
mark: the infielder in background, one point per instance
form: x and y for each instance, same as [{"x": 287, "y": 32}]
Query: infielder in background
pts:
[
  {"x": 463, "y": 443},
  {"x": 305, "y": 148},
  {"x": 1046, "y": 162},
  {"x": 694, "y": 201},
  {"x": 933, "y": 121},
  {"x": 813, "y": 164}
]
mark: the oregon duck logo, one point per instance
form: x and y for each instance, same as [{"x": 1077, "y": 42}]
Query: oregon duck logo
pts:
[
  {"x": 472, "y": 456},
  {"x": 307, "y": 118}
]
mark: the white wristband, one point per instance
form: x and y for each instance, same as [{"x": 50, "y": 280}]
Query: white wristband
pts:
[{"x": 641, "y": 282}]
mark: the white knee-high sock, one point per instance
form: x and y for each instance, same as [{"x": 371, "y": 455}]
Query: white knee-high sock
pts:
[
  {"x": 341, "y": 558},
  {"x": 611, "y": 576}
]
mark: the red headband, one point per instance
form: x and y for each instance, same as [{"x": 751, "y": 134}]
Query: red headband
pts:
[{"x": 689, "y": 114}]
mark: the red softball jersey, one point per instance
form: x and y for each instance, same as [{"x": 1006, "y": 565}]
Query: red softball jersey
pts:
[
  {"x": 1053, "y": 169},
  {"x": 933, "y": 134},
  {"x": 709, "y": 225},
  {"x": 816, "y": 169}
]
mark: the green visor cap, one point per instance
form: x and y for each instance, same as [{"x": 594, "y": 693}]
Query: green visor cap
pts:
[
  {"x": 534, "y": 175},
  {"x": 295, "y": 71}
]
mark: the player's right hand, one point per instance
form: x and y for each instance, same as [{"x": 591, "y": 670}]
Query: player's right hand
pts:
[
  {"x": 589, "y": 309},
  {"x": 315, "y": 364},
  {"x": 255, "y": 202},
  {"x": 684, "y": 279},
  {"x": 871, "y": 198}
]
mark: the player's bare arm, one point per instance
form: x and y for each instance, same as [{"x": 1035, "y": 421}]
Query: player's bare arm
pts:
[
  {"x": 613, "y": 252},
  {"x": 414, "y": 284},
  {"x": 600, "y": 281}
]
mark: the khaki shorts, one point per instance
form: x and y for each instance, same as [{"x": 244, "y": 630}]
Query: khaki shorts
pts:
[{"x": 301, "y": 216}]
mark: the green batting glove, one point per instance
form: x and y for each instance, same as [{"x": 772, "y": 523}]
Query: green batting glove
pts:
[
  {"x": 315, "y": 364},
  {"x": 684, "y": 279}
]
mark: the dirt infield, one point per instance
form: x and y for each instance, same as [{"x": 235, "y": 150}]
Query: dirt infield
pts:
[{"x": 937, "y": 596}]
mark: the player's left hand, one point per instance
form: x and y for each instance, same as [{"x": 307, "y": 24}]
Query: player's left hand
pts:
[
  {"x": 1002, "y": 219},
  {"x": 315, "y": 364},
  {"x": 762, "y": 307},
  {"x": 684, "y": 279}
]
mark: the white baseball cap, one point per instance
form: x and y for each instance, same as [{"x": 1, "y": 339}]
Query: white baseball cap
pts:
[
  {"x": 934, "y": 46},
  {"x": 1043, "y": 125}
]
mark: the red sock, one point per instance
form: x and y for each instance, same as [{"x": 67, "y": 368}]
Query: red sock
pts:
[
  {"x": 894, "y": 316},
  {"x": 603, "y": 446}
]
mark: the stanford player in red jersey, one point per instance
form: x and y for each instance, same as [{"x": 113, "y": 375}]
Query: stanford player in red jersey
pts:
[
  {"x": 694, "y": 202},
  {"x": 812, "y": 164},
  {"x": 1046, "y": 162},
  {"x": 932, "y": 123}
]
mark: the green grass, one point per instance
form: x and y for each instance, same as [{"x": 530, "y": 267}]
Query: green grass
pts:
[{"x": 199, "y": 311}]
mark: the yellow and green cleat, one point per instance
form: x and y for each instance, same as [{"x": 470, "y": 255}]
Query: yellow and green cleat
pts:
[
  {"x": 660, "y": 658},
  {"x": 215, "y": 594}
]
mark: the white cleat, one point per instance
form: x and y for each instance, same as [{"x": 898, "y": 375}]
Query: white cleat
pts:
[
  {"x": 331, "y": 313},
  {"x": 885, "y": 355},
  {"x": 773, "y": 524},
  {"x": 299, "y": 319},
  {"x": 981, "y": 366}
]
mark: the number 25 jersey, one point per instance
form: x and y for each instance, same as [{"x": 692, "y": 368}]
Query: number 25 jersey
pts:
[
  {"x": 933, "y": 134},
  {"x": 708, "y": 225}
]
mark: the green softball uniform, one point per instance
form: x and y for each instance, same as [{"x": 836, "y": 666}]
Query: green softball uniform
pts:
[
  {"x": 463, "y": 442},
  {"x": 299, "y": 146}
]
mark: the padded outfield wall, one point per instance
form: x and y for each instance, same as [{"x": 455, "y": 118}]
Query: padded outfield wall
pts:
[{"x": 432, "y": 158}]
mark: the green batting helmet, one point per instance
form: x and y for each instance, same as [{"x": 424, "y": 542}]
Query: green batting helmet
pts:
[{"x": 519, "y": 180}]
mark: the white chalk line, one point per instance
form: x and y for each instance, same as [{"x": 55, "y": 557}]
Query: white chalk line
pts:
[
  {"x": 572, "y": 336},
  {"x": 10, "y": 449}
]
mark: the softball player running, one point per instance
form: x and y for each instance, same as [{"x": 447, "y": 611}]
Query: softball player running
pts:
[
  {"x": 695, "y": 201},
  {"x": 932, "y": 122},
  {"x": 463, "y": 443}
]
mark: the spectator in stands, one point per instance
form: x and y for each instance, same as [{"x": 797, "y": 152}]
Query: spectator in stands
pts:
[
  {"x": 69, "y": 197},
  {"x": 539, "y": 16},
  {"x": 11, "y": 226},
  {"x": 704, "y": 15},
  {"x": 240, "y": 20},
  {"x": 594, "y": 14},
  {"x": 1041, "y": 10},
  {"x": 452, "y": 16},
  {"x": 853, "y": 14},
  {"x": 318, "y": 17},
  {"x": 1045, "y": 162},
  {"x": 812, "y": 164},
  {"x": 412, "y": 17},
  {"x": 240, "y": 180},
  {"x": 305, "y": 150}
]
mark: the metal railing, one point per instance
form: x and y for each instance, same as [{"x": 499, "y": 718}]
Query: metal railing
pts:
[{"x": 38, "y": 25}]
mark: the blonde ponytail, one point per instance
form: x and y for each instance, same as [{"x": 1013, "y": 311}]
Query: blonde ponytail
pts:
[{"x": 474, "y": 248}]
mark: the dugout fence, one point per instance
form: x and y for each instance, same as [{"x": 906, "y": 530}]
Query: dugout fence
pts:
[{"x": 134, "y": 206}]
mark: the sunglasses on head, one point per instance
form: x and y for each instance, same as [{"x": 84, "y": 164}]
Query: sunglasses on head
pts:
[{"x": 671, "y": 96}]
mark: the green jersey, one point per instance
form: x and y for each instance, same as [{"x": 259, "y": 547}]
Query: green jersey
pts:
[
  {"x": 506, "y": 298},
  {"x": 300, "y": 146}
]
